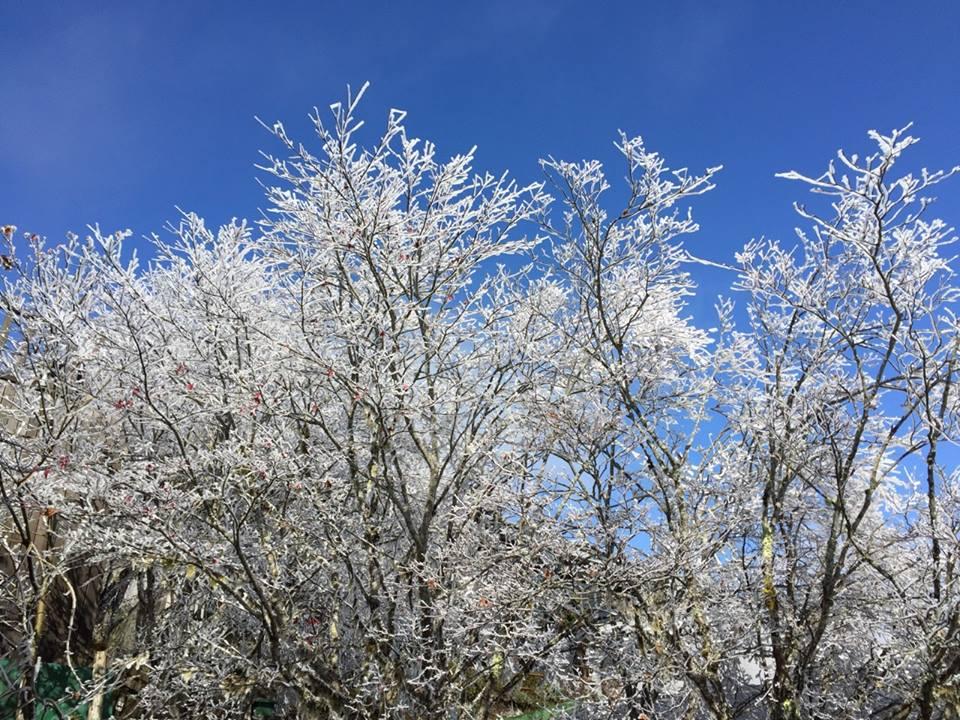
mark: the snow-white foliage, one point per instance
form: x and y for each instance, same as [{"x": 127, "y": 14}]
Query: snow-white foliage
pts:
[{"x": 430, "y": 444}]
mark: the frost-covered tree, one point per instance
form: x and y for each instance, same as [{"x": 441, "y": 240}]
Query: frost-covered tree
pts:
[{"x": 425, "y": 443}]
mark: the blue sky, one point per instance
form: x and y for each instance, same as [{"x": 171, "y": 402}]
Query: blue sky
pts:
[{"x": 116, "y": 112}]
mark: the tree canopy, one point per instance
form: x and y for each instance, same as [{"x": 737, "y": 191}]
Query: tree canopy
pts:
[{"x": 423, "y": 443}]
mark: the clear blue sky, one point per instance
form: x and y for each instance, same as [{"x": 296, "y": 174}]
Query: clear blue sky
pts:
[{"x": 116, "y": 112}]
